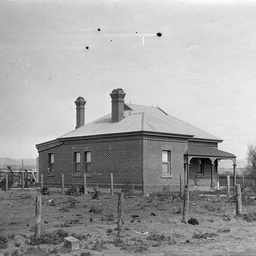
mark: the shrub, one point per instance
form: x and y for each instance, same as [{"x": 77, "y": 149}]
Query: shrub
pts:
[
  {"x": 223, "y": 230},
  {"x": 3, "y": 183},
  {"x": 80, "y": 236},
  {"x": 204, "y": 235},
  {"x": 73, "y": 191},
  {"x": 11, "y": 236},
  {"x": 99, "y": 246},
  {"x": 193, "y": 221},
  {"x": 53, "y": 251},
  {"x": 15, "y": 253},
  {"x": 140, "y": 247},
  {"x": 35, "y": 251},
  {"x": 95, "y": 193},
  {"x": 3, "y": 242},
  {"x": 81, "y": 189},
  {"x": 55, "y": 237},
  {"x": 248, "y": 199},
  {"x": 45, "y": 191},
  {"x": 121, "y": 244},
  {"x": 109, "y": 230},
  {"x": 17, "y": 244},
  {"x": 96, "y": 209},
  {"x": 108, "y": 217},
  {"x": 85, "y": 254},
  {"x": 249, "y": 217},
  {"x": 158, "y": 238}
]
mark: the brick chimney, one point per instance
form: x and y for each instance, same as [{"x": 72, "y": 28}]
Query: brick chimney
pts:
[
  {"x": 80, "y": 111},
  {"x": 117, "y": 96}
]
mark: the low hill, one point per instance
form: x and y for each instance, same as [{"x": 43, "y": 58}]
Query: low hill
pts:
[{"x": 29, "y": 163}]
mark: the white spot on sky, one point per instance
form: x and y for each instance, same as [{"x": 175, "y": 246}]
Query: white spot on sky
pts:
[{"x": 192, "y": 47}]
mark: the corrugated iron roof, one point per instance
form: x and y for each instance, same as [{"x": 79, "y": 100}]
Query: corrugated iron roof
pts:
[{"x": 140, "y": 118}]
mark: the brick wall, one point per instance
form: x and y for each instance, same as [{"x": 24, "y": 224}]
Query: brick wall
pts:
[
  {"x": 131, "y": 159},
  {"x": 123, "y": 157},
  {"x": 154, "y": 181},
  {"x": 204, "y": 144}
]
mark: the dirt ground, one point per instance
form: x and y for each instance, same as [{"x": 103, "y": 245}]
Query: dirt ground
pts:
[{"x": 151, "y": 224}]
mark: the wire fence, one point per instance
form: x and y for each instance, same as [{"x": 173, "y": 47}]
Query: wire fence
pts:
[
  {"x": 92, "y": 180},
  {"x": 245, "y": 181}
]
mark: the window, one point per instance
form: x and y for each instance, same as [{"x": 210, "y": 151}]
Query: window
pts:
[
  {"x": 87, "y": 162},
  {"x": 166, "y": 162},
  {"x": 200, "y": 169},
  {"x": 50, "y": 163},
  {"x": 77, "y": 162}
]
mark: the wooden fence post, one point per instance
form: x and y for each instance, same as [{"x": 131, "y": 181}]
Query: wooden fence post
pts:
[
  {"x": 6, "y": 181},
  {"x": 218, "y": 185},
  {"x": 85, "y": 184},
  {"x": 243, "y": 181},
  {"x": 22, "y": 175},
  {"x": 38, "y": 215},
  {"x": 22, "y": 180},
  {"x": 185, "y": 204},
  {"x": 234, "y": 175},
  {"x": 62, "y": 183},
  {"x": 111, "y": 184},
  {"x": 42, "y": 181},
  {"x": 144, "y": 188},
  {"x": 181, "y": 186},
  {"x": 133, "y": 188},
  {"x": 119, "y": 212},
  {"x": 238, "y": 200},
  {"x": 228, "y": 188}
]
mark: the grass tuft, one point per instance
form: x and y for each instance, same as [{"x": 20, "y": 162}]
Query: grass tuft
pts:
[
  {"x": 204, "y": 235},
  {"x": 96, "y": 209}
]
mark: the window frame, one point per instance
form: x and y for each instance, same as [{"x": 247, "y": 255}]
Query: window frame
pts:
[
  {"x": 76, "y": 164},
  {"x": 87, "y": 163},
  {"x": 51, "y": 162},
  {"x": 167, "y": 162}
]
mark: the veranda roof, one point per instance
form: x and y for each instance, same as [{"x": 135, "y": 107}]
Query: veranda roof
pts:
[{"x": 199, "y": 151}]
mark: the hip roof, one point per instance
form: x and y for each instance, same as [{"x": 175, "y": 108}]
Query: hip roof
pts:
[{"x": 141, "y": 118}]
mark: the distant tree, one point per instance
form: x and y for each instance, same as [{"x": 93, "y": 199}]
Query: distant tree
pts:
[{"x": 251, "y": 159}]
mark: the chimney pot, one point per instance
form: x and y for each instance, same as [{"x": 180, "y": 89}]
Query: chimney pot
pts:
[
  {"x": 80, "y": 111},
  {"x": 117, "y": 96}
]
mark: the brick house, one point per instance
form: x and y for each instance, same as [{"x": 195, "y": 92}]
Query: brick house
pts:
[{"x": 140, "y": 145}]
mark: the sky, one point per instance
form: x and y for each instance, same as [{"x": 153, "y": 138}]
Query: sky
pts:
[{"x": 202, "y": 69}]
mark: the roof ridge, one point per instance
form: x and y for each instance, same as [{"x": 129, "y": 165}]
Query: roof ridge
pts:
[{"x": 139, "y": 105}]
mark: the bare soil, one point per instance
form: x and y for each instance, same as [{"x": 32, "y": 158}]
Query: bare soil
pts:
[{"x": 151, "y": 224}]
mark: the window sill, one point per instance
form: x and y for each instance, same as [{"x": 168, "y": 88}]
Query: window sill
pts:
[
  {"x": 200, "y": 176},
  {"x": 50, "y": 175},
  {"x": 77, "y": 175},
  {"x": 166, "y": 177}
]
